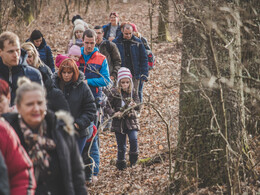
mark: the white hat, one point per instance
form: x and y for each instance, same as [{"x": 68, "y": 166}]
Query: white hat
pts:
[{"x": 78, "y": 27}]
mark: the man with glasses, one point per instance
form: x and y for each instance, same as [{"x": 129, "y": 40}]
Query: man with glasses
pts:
[
  {"x": 134, "y": 57},
  {"x": 112, "y": 30}
]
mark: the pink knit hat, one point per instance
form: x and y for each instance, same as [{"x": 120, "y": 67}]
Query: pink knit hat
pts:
[
  {"x": 60, "y": 59},
  {"x": 123, "y": 72},
  {"x": 74, "y": 50}
]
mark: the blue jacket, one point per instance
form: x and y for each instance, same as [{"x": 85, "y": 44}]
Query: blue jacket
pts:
[
  {"x": 106, "y": 29},
  {"x": 138, "y": 55},
  {"x": 96, "y": 71},
  {"x": 45, "y": 54},
  {"x": 22, "y": 69}
]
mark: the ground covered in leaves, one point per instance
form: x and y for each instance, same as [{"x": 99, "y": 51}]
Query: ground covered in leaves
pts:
[{"x": 162, "y": 91}]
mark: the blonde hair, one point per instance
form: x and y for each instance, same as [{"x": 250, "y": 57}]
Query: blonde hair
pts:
[
  {"x": 29, "y": 47},
  {"x": 26, "y": 85},
  {"x": 130, "y": 87}
]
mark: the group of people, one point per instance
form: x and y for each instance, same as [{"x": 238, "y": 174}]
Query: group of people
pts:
[{"x": 52, "y": 108}]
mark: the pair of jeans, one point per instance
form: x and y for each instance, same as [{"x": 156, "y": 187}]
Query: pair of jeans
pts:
[
  {"x": 139, "y": 85},
  {"x": 82, "y": 140},
  {"x": 94, "y": 153},
  {"x": 121, "y": 143}
]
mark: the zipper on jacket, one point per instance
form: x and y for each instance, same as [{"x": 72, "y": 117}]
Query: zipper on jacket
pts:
[{"x": 10, "y": 79}]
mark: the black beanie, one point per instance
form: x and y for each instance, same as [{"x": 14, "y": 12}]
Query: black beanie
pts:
[
  {"x": 75, "y": 17},
  {"x": 36, "y": 34}
]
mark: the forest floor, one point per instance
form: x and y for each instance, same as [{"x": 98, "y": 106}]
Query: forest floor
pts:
[{"x": 162, "y": 90}]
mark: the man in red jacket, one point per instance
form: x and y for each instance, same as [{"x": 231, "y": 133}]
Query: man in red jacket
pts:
[{"x": 19, "y": 166}]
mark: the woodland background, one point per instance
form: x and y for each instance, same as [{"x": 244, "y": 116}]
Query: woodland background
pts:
[{"x": 200, "y": 120}]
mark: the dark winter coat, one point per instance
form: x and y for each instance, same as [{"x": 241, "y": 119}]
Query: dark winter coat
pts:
[
  {"x": 110, "y": 50},
  {"x": 45, "y": 54},
  {"x": 81, "y": 102},
  {"x": 18, "y": 71},
  {"x": 60, "y": 129},
  {"x": 106, "y": 29},
  {"x": 55, "y": 98},
  {"x": 113, "y": 105},
  {"x": 4, "y": 182},
  {"x": 138, "y": 55}
]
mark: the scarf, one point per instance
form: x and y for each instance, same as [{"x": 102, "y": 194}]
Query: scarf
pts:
[{"x": 38, "y": 144}]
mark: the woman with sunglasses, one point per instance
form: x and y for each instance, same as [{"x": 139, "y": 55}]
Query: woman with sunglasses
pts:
[{"x": 124, "y": 123}]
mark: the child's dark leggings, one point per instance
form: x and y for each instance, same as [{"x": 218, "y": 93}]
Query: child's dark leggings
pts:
[{"x": 121, "y": 143}]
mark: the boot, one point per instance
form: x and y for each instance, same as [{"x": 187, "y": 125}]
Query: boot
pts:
[
  {"x": 133, "y": 157},
  {"x": 121, "y": 165}
]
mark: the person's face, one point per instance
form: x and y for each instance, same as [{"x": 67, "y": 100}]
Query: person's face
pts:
[
  {"x": 113, "y": 20},
  {"x": 4, "y": 103},
  {"x": 125, "y": 83},
  {"x": 74, "y": 57},
  {"x": 127, "y": 33},
  {"x": 67, "y": 74},
  {"x": 100, "y": 35},
  {"x": 89, "y": 44},
  {"x": 78, "y": 34},
  {"x": 32, "y": 108},
  {"x": 37, "y": 42},
  {"x": 10, "y": 53},
  {"x": 30, "y": 58}
]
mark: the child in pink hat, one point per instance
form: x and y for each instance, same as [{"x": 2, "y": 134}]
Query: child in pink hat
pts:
[
  {"x": 122, "y": 107},
  {"x": 75, "y": 53}
]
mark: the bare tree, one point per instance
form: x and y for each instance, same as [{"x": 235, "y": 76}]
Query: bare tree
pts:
[
  {"x": 163, "y": 26},
  {"x": 213, "y": 143}
]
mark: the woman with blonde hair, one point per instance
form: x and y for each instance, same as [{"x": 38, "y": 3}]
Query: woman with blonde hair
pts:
[{"x": 48, "y": 139}]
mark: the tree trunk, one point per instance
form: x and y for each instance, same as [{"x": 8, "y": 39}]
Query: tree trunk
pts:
[
  {"x": 163, "y": 27},
  {"x": 212, "y": 134}
]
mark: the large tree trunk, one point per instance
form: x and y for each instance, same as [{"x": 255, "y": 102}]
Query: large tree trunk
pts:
[
  {"x": 212, "y": 130},
  {"x": 163, "y": 27}
]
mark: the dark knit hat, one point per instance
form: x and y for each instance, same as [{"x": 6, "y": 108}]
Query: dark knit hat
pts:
[
  {"x": 36, "y": 34},
  {"x": 75, "y": 17}
]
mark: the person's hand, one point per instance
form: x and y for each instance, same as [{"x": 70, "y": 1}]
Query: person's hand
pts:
[
  {"x": 118, "y": 114},
  {"x": 111, "y": 38},
  {"x": 132, "y": 103},
  {"x": 76, "y": 125},
  {"x": 112, "y": 78}
]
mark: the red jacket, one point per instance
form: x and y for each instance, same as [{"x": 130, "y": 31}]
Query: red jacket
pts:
[{"x": 19, "y": 165}]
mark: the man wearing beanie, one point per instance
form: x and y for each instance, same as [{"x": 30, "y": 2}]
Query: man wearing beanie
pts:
[
  {"x": 134, "y": 57},
  {"x": 43, "y": 49}
]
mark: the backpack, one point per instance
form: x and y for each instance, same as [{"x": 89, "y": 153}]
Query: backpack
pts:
[{"x": 151, "y": 59}]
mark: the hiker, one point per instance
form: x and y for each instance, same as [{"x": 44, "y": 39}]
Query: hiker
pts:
[
  {"x": 76, "y": 38},
  {"x": 134, "y": 57},
  {"x": 53, "y": 93},
  {"x": 43, "y": 49},
  {"x": 110, "y": 50},
  {"x": 19, "y": 166},
  {"x": 112, "y": 29},
  {"x": 48, "y": 139},
  {"x": 124, "y": 123},
  {"x": 79, "y": 96},
  {"x": 75, "y": 53},
  {"x": 13, "y": 63},
  {"x": 96, "y": 70}
]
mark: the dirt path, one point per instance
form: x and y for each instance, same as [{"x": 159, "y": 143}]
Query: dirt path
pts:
[{"x": 162, "y": 90}]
